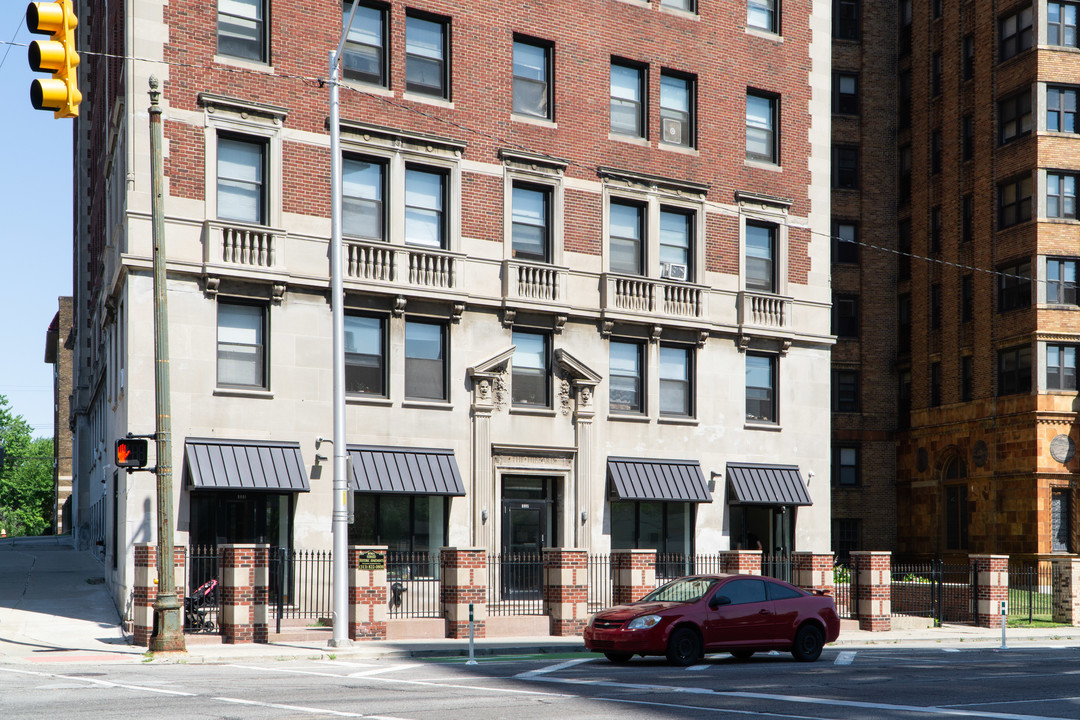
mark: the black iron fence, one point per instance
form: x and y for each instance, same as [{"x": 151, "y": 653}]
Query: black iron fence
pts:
[
  {"x": 1031, "y": 593},
  {"x": 413, "y": 579},
  {"x": 300, "y": 586},
  {"x": 202, "y": 610},
  {"x": 601, "y": 580},
  {"x": 845, "y": 589},
  {"x": 780, "y": 566},
  {"x": 515, "y": 584},
  {"x": 945, "y": 593}
]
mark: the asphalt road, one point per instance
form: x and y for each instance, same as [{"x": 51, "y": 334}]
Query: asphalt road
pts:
[{"x": 1014, "y": 684}]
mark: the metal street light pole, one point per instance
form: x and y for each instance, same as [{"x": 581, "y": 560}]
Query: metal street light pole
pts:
[{"x": 170, "y": 629}]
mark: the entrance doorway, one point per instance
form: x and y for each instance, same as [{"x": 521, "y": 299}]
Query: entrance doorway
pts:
[
  {"x": 530, "y": 522},
  {"x": 769, "y": 528}
]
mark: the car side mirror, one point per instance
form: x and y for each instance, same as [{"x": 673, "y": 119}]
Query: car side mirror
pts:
[{"x": 719, "y": 600}]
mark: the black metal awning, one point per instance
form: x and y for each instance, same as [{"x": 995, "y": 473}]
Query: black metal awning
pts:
[
  {"x": 247, "y": 465},
  {"x": 663, "y": 480},
  {"x": 417, "y": 471},
  {"x": 760, "y": 484}
]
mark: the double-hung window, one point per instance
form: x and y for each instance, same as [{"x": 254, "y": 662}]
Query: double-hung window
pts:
[
  {"x": 935, "y": 384},
  {"x": 1014, "y": 201},
  {"x": 676, "y": 110},
  {"x": 1061, "y": 109},
  {"x": 626, "y": 377},
  {"x": 531, "y": 369},
  {"x": 363, "y": 191},
  {"x": 365, "y": 355},
  {"x": 687, "y": 5},
  {"x": 532, "y": 79},
  {"x": 1015, "y": 33},
  {"x": 627, "y": 99},
  {"x": 241, "y": 189},
  {"x": 1014, "y": 286},
  {"x": 531, "y": 222},
  {"x": 761, "y": 127},
  {"x": 427, "y": 49},
  {"x": 845, "y": 236},
  {"x": 761, "y": 257},
  {"x": 967, "y": 298},
  {"x": 1014, "y": 115},
  {"x": 241, "y": 356},
  {"x": 1060, "y": 367},
  {"x": 1061, "y": 24},
  {"x": 846, "y": 20},
  {"x": 425, "y": 207},
  {"x": 1014, "y": 370},
  {"x": 846, "y": 316},
  {"x": 761, "y": 386},
  {"x": 846, "y": 390},
  {"x": 1061, "y": 281},
  {"x": 676, "y": 381},
  {"x": 846, "y": 93},
  {"x": 676, "y": 243},
  {"x": 626, "y": 237},
  {"x": 762, "y": 15},
  {"x": 846, "y": 466},
  {"x": 425, "y": 360},
  {"x": 1060, "y": 195},
  {"x": 364, "y": 56},
  {"x": 845, "y": 170},
  {"x": 241, "y": 29}
]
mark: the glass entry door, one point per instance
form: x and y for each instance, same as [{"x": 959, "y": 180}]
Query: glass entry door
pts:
[{"x": 521, "y": 566}]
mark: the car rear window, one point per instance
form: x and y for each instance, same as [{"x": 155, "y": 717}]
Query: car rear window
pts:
[{"x": 781, "y": 592}]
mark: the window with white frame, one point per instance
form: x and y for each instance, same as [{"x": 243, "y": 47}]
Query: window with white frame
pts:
[
  {"x": 676, "y": 243},
  {"x": 531, "y": 369},
  {"x": 365, "y": 355},
  {"x": 626, "y": 221},
  {"x": 425, "y": 207},
  {"x": 1060, "y": 367},
  {"x": 1061, "y": 23},
  {"x": 531, "y": 222},
  {"x": 626, "y": 377},
  {"x": 687, "y": 5},
  {"x": 1060, "y": 195},
  {"x": 532, "y": 79},
  {"x": 761, "y": 127},
  {"x": 241, "y": 29},
  {"x": 363, "y": 191},
  {"x": 761, "y": 387},
  {"x": 241, "y": 345},
  {"x": 627, "y": 99},
  {"x": 676, "y": 109},
  {"x": 761, "y": 254},
  {"x": 1061, "y": 109},
  {"x": 762, "y": 15},
  {"x": 1061, "y": 281},
  {"x": 676, "y": 381},
  {"x": 241, "y": 172},
  {"x": 427, "y": 50},
  {"x": 364, "y": 56}
]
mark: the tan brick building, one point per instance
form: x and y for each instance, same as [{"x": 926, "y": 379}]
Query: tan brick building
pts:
[{"x": 58, "y": 353}]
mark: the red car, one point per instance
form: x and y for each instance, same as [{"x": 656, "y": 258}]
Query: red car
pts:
[{"x": 739, "y": 614}]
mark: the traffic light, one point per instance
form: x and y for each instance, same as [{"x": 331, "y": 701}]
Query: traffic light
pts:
[
  {"x": 131, "y": 452},
  {"x": 61, "y": 93}
]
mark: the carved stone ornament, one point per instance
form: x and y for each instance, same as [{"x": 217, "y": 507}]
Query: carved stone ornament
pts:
[
  {"x": 1062, "y": 448},
  {"x": 211, "y": 287},
  {"x": 655, "y": 332},
  {"x": 399, "y": 306},
  {"x": 784, "y": 347},
  {"x": 564, "y": 395},
  {"x": 456, "y": 313},
  {"x": 508, "y": 317},
  {"x": 703, "y": 337},
  {"x": 278, "y": 291},
  {"x": 501, "y": 389},
  {"x": 560, "y": 321},
  {"x": 483, "y": 389},
  {"x": 585, "y": 397},
  {"x": 742, "y": 342},
  {"x": 606, "y": 326}
]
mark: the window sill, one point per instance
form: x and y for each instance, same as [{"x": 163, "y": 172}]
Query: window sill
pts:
[
  {"x": 680, "y": 149},
  {"x": 368, "y": 87},
  {"x": 366, "y": 400},
  {"x": 531, "y": 120},
  {"x": 643, "y": 4},
  {"x": 763, "y": 165},
  {"x": 616, "y": 417},
  {"x": 764, "y": 34},
  {"x": 639, "y": 141},
  {"x": 535, "y": 411},
  {"x": 240, "y": 392},
  {"x": 246, "y": 64},
  {"x": 762, "y": 425},
  {"x": 428, "y": 404},
  {"x": 679, "y": 12},
  {"x": 677, "y": 420},
  {"x": 428, "y": 99}
]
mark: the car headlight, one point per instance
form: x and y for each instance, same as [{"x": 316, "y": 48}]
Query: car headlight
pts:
[
  {"x": 588, "y": 622},
  {"x": 644, "y": 622}
]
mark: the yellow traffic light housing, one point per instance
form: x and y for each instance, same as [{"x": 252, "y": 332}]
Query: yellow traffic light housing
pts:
[
  {"x": 61, "y": 93},
  {"x": 131, "y": 453}
]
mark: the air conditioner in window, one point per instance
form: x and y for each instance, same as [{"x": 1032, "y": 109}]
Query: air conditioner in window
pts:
[
  {"x": 673, "y": 271},
  {"x": 673, "y": 130}
]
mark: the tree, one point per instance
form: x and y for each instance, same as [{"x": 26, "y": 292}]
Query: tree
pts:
[{"x": 26, "y": 478}]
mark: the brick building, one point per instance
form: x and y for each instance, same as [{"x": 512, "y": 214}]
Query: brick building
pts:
[
  {"x": 58, "y": 353},
  {"x": 587, "y": 273}
]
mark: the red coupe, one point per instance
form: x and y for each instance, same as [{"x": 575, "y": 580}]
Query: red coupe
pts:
[{"x": 739, "y": 614}]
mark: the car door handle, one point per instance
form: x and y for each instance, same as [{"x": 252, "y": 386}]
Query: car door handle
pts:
[{"x": 763, "y": 611}]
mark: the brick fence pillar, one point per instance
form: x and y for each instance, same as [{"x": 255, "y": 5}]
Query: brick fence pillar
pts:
[
  {"x": 260, "y": 595},
  {"x": 741, "y": 562},
  {"x": 634, "y": 574},
  {"x": 1067, "y": 591},
  {"x": 144, "y": 591},
  {"x": 367, "y": 592},
  {"x": 237, "y": 563},
  {"x": 814, "y": 571},
  {"x": 566, "y": 589},
  {"x": 874, "y": 582},
  {"x": 464, "y": 581},
  {"x": 992, "y": 576}
]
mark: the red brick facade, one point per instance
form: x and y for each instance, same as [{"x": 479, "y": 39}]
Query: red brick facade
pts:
[{"x": 464, "y": 584}]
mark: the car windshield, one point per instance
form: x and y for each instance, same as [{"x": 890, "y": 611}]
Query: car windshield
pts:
[{"x": 684, "y": 590}]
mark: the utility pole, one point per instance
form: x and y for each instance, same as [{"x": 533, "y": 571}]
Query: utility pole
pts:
[{"x": 169, "y": 633}]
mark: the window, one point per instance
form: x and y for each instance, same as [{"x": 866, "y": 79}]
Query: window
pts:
[
  {"x": 845, "y": 167},
  {"x": 845, "y": 538},
  {"x": 1015, "y": 34},
  {"x": 903, "y": 99},
  {"x": 627, "y": 227},
  {"x": 969, "y": 56},
  {"x": 425, "y": 361},
  {"x": 676, "y": 110},
  {"x": 846, "y": 466},
  {"x": 676, "y": 243},
  {"x": 1060, "y": 520},
  {"x": 364, "y": 57},
  {"x": 968, "y": 218},
  {"x": 935, "y": 151},
  {"x": 846, "y": 316},
  {"x": 666, "y": 527},
  {"x": 903, "y": 241},
  {"x": 531, "y": 374},
  {"x": 425, "y": 200},
  {"x": 241, "y": 347},
  {"x": 1014, "y": 286},
  {"x": 627, "y": 100},
  {"x": 761, "y": 121},
  {"x": 426, "y": 51},
  {"x": 935, "y": 306},
  {"x": 935, "y": 384},
  {"x": 1061, "y": 110},
  {"x": 1060, "y": 195},
  {"x": 845, "y": 391},
  {"x": 956, "y": 517},
  {"x": 935, "y": 229},
  {"x": 1014, "y": 202},
  {"x": 676, "y": 381},
  {"x": 967, "y": 378},
  {"x": 532, "y": 83},
  {"x": 903, "y": 323},
  {"x": 761, "y": 382},
  {"x": 1061, "y": 24},
  {"x": 938, "y": 8},
  {"x": 761, "y": 257},
  {"x": 761, "y": 14},
  {"x": 1060, "y": 367},
  {"x": 404, "y": 523},
  {"x": 846, "y": 93},
  {"x": 905, "y": 28},
  {"x": 365, "y": 355},
  {"x": 1014, "y": 371},
  {"x": 241, "y": 191},
  {"x": 687, "y": 5},
  {"x": 845, "y": 237},
  {"x": 1015, "y": 117},
  {"x": 626, "y": 377},
  {"x": 363, "y": 189},
  {"x": 967, "y": 140},
  {"x": 967, "y": 298},
  {"x": 531, "y": 220},
  {"x": 846, "y": 19},
  {"x": 1061, "y": 282},
  {"x": 935, "y": 75},
  {"x": 241, "y": 29}
]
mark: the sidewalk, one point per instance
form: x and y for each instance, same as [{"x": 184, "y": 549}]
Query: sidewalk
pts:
[{"x": 54, "y": 608}]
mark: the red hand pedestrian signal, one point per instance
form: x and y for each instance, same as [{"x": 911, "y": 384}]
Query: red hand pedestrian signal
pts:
[{"x": 131, "y": 453}]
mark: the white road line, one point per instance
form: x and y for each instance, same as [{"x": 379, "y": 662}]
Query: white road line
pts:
[
  {"x": 693, "y": 668},
  {"x": 700, "y": 709},
  {"x": 104, "y": 683},
  {"x": 553, "y": 668},
  {"x": 380, "y": 671},
  {"x": 1014, "y": 702},
  {"x": 951, "y": 650},
  {"x": 845, "y": 657},
  {"x": 301, "y": 708}
]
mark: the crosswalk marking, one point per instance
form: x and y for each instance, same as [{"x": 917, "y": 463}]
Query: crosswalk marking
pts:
[{"x": 845, "y": 658}]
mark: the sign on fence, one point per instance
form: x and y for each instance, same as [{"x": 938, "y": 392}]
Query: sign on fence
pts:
[{"x": 371, "y": 560}]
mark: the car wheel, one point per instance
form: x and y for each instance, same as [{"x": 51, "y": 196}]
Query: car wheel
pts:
[
  {"x": 684, "y": 647},
  {"x": 618, "y": 657},
  {"x": 808, "y": 644},
  {"x": 742, "y": 654}
]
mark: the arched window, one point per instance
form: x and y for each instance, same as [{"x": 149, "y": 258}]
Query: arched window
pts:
[{"x": 956, "y": 504}]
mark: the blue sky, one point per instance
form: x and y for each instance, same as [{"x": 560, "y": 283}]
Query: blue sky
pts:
[{"x": 35, "y": 227}]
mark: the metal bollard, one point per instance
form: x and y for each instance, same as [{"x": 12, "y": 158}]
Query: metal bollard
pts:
[
  {"x": 472, "y": 656},
  {"x": 1004, "y": 622}
]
